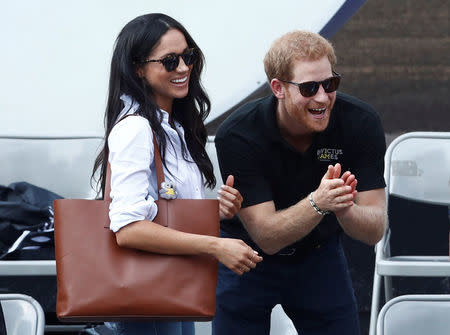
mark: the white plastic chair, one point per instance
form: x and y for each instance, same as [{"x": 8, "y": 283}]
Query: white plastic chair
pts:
[
  {"x": 417, "y": 167},
  {"x": 415, "y": 315},
  {"x": 23, "y": 315}
]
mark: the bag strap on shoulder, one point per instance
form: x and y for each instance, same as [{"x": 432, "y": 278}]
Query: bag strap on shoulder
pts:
[{"x": 158, "y": 162}]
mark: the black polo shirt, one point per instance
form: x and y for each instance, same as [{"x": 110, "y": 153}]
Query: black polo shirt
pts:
[{"x": 267, "y": 168}]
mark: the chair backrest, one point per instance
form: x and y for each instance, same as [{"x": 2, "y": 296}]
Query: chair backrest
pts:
[
  {"x": 59, "y": 164},
  {"x": 415, "y": 315},
  {"x": 23, "y": 315},
  {"x": 418, "y": 167}
]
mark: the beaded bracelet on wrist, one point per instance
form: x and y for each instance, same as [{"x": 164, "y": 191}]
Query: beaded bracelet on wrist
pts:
[{"x": 317, "y": 209}]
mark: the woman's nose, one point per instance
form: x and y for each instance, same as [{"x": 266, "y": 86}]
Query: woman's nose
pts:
[{"x": 182, "y": 65}]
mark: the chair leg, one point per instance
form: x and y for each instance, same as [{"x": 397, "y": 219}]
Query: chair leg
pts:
[
  {"x": 388, "y": 293},
  {"x": 374, "y": 310}
]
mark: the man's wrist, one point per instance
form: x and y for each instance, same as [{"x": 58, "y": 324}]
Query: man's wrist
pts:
[
  {"x": 344, "y": 213},
  {"x": 316, "y": 208}
]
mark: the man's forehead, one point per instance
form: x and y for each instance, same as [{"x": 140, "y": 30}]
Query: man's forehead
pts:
[{"x": 305, "y": 67}]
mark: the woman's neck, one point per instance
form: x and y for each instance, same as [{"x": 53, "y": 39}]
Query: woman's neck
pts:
[{"x": 165, "y": 104}]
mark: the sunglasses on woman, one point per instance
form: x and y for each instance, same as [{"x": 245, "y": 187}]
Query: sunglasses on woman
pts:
[
  {"x": 310, "y": 88},
  {"x": 171, "y": 61}
]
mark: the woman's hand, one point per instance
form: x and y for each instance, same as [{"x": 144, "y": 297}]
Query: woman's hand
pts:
[
  {"x": 230, "y": 199},
  {"x": 236, "y": 255}
]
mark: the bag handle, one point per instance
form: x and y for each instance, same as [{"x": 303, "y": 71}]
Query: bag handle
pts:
[{"x": 158, "y": 164}]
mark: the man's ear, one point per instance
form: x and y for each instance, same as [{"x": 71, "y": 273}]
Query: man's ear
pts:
[{"x": 277, "y": 88}]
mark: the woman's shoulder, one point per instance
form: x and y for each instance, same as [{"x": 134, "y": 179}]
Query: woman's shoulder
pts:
[
  {"x": 132, "y": 128},
  {"x": 131, "y": 123}
]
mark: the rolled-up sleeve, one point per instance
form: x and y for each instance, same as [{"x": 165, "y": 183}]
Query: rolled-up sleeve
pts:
[{"x": 130, "y": 155}]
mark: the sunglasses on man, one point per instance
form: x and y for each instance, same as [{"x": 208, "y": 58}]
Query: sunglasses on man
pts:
[
  {"x": 310, "y": 88},
  {"x": 171, "y": 62}
]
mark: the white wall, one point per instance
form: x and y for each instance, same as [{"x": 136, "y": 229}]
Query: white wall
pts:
[{"x": 55, "y": 54}]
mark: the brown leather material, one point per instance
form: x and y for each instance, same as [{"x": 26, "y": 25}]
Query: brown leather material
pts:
[
  {"x": 158, "y": 162},
  {"x": 99, "y": 281}
]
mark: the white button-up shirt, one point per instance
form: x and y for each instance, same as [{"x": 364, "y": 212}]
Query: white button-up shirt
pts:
[{"x": 133, "y": 175}]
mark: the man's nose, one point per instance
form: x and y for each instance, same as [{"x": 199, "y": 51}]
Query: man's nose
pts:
[{"x": 321, "y": 95}]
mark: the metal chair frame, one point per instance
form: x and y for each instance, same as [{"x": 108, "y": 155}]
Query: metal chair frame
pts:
[
  {"x": 387, "y": 266},
  {"x": 415, "y": 314},
  {"x": 22, "y": 313}
]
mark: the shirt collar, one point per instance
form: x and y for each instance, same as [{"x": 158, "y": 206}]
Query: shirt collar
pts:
[{"x": 131, "y": 106}]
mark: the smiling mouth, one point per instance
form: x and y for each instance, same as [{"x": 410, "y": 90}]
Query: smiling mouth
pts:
[
  {"x": 318, "y": 112},
  {"x": 179, "y": 81}
]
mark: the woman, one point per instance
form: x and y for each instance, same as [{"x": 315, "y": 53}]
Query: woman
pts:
[{"x": 155, "y": 76}]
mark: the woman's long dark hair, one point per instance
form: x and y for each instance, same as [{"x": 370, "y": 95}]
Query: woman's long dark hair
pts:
[{"x": 134, "y": 43}]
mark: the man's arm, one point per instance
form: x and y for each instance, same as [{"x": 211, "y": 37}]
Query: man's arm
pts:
[
  {"x": 366, "y": 219},
  {"x": 273, "y": 230}
]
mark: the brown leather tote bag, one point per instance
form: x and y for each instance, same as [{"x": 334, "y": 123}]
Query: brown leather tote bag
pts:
[{"x": 99, "y": 281}]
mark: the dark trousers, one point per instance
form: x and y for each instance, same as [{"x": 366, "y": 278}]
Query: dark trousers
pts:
[
  {"x": 315, "y": 292},
  {"x": 152, "y": 328}
]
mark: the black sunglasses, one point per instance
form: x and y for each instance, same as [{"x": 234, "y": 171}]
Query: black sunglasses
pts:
[
  {"x": 310, "y": 88},
  {"x": 171, "y": 61}
]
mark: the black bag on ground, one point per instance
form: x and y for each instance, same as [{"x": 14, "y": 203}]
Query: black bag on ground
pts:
[{"x": 26, "y": 222}]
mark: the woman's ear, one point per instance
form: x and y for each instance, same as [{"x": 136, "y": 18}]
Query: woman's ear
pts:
[
  {"x": 140, "y": 72},
  {"x": 277, "y": 88}
]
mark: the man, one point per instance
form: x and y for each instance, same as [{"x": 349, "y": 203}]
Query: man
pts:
[{"x": 288, "y": 153}]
